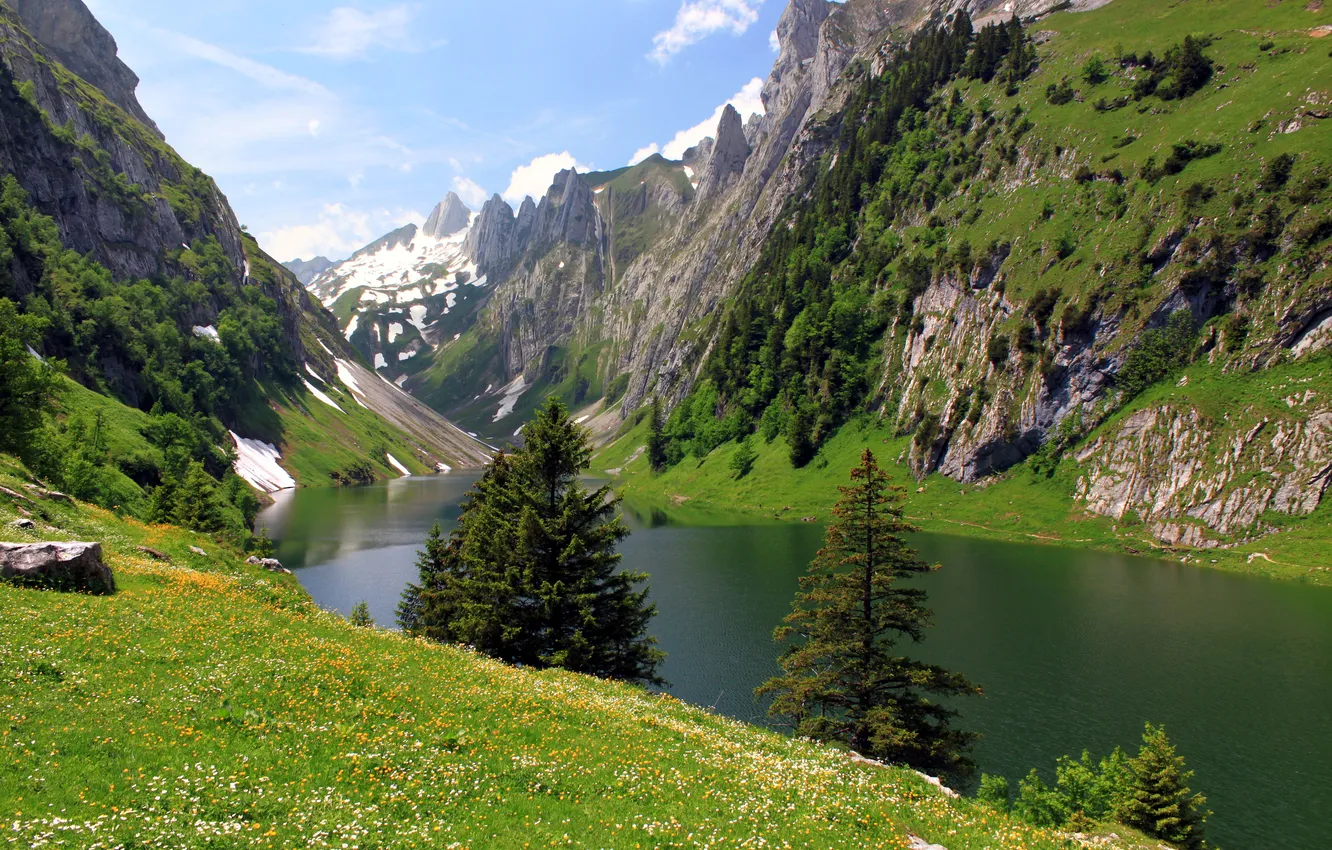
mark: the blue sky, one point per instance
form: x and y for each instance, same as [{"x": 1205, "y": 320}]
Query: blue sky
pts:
[{"x": 329, "y": 122}]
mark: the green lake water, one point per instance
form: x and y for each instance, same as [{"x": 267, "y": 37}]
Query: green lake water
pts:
[{"x": 1074, "y": 649}]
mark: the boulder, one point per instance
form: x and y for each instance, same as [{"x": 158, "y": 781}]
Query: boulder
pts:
[
  {"x": 196, "y": 550},
  {"x": 24, "y": 524},
  {"x": 68, "y": 567}
]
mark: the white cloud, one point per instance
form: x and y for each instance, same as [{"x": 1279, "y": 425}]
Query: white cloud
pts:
[
  {"x": 349, "y": 33},
  {"x": 746, "y": 101},
  {"x": 338, "y": 232},
  {"x": 265, "y": 75},
  {"x": 774, "y": 42},
  {"x": 472, "y": 194},
  {"x": 698, "y": 19},
  {"x": 643, "y": 153},
  {"x": 535, "y": 177}
]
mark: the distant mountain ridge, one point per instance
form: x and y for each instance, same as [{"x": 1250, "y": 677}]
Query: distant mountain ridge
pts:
[{"x": 75, "y": 147}]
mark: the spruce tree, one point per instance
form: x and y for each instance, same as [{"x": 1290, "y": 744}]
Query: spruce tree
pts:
[
  {"x": 1159, "y": 801},
  {"x": 656, "y": 445},
  {"x": 588, "y": 616},
  {"x": 844, "y": 679},
  {"x": 360, "y": 615},
  {"x": 530, "y": 575},
  {"x": 430, "y": 566}
]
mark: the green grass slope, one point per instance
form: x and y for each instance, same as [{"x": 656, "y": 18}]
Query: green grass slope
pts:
[
  {"x": 1020, "y": 505},
  {"x": 211, "y": 704}
]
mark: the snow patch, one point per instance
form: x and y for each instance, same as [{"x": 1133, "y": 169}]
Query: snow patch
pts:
[
  {"x": 351, "y": 328},
  {"x": 313, "y": 373},
  {"x": 325, "y": 347},
  {"x": 512, "y": 393},
  {"x": 402, "y": 381},
  {"x": 319, "y": 394},
  {"x": 580, "y": 420},
  {"x": 407, "y": 355},
  {"x": 380, "y": 361},
  {"x": 417, "y": 320},
  {"x": 395, "y": 331},
  {"x": 257, "y": 463},
  {"x": 396, "y": 464},
  {"x": 443, "y": 467}
]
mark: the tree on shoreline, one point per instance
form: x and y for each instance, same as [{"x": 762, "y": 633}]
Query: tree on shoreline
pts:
[
  {"x": 843, "y": 678},
  {"x": 530, "y": 575}
]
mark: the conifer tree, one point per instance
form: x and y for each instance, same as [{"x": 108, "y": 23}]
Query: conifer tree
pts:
[
  {"x": 844, "y": 679},
  {"x": 531, "y": 574},
  {"x": 588, "y": 616},
  {"x": 263, "y": 544},
  {"x": 360, "y": 615},
  {"x": 656, "y": 446},
  {"x": 1159, "y": 801},
  {"x": 430, "y": 566},
  {"x": 197, "y": 504}
]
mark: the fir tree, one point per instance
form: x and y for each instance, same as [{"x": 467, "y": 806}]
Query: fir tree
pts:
[
  {"x": 742, "y": 462},
  {"x": 844, "y": 680},
  {"x": 197, "y": 503},
  {"x": 799, "y": 437},
  {"x": 1159, "y": 801},
  {"x": 262, "y": 545},
  {"x": 531, "y": 574},
  {"x": 589, "y": 618},
  {"x": 430, "y": 566},
  {"x": 360, "y": 615},
  {"x": 656, "y": 446}
]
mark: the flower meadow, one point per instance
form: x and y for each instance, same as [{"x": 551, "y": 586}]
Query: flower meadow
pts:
[{"x": 210, "y": 704}]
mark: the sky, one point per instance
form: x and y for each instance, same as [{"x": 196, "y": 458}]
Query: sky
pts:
[{"x": 328, "y": 123}]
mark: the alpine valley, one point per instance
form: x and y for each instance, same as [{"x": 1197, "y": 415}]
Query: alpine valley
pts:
[{"x": 1090, "y": 266}]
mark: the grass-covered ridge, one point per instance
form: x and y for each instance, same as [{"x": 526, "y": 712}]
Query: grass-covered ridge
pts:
[{"x": 211, "y": 704}]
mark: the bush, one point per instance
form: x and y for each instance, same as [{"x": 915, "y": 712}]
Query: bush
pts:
[
  {"x": 1059, "y": 94},
  {"x": 1095, "y": 72},
  {"x": 742, "y": 462},
  {"x": 1159, "y": 352},
  {"x": 1277, "y": 172},
  {"x": 998, "y": 349}
]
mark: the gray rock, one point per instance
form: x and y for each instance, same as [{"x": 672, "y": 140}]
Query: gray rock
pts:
[
  {"x": 68, "y": 567},
  {"x": 307, "y": 270},
  {"x": 196, "y": 550},
  {"x": 915, "y": 842},
  {"x": 69, "y": 30},
  {"x": 449, "y": 216},
  {"x": 24, "y": 524},
  {"x": 729, "y": 155},
  {"x": 490, "y": 241}
]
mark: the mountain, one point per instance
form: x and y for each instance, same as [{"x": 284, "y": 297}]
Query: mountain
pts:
[
  {"x": 307, "y": 270},
  {"x": 128, "y": 265},
  {"x": 1002, "y": 242}
]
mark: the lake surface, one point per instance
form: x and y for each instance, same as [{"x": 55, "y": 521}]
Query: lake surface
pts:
[{"x": 1074, "y": 649}]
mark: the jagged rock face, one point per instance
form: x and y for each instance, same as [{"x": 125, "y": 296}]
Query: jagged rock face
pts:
[
  {"x": 729, "y": 155},
  {"x": 491, "y": 241},
  {"x": 449, "y": 217},
  {"x": 70, "y": 32},
  {"x": 1188, "y": 477}
]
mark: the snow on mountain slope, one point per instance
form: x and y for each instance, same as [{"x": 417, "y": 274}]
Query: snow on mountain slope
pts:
[{"x": 394, "y": 297}]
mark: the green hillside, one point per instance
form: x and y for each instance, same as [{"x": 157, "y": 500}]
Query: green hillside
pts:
[
  {"x": 209, "y": 703},
  {"x": 1022, "y": 236}
]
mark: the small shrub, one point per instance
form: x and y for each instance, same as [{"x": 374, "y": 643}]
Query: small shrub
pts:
[
  {"x": 360, "y": 615},
  {"x": 1277, "y": 172}
]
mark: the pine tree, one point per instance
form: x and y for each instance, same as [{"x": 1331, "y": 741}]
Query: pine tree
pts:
[
  {"x": 430, "y": 566},
  {"x": 1159, "y": 801},
  {"x": 799, "y": 437},
  {"x": 262, "y": 545},
  {"x": 197, "y": 503},
  {"x": 844, "y": 680},
  {"x": 742, "y": 462},
  {"x": 588, "y": 616},
  {"x": 360, "y": 615},
  {"x": 531, "y": 574},
  {"x": 656, "y": 446}
]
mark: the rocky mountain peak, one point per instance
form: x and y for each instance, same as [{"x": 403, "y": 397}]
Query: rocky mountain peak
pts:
[
  {"x": 70, "y": 32},
  {"x": 729, "y": 154},
  {"x": 490, "y": 241},
  {"x": 449, "y": 216},
  {"x": 399, "y": 238}
]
